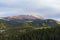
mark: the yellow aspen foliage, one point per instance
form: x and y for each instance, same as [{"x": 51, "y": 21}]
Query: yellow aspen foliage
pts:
[{"x": 2, "y": 26}]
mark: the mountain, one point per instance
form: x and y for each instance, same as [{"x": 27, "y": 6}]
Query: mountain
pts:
[
  {"x": 29, "y": 16},
  {"x": 30, "y": 20},
  {"x": 29, "y": 27}
]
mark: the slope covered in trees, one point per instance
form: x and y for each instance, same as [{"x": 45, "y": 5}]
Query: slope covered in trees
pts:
[
  {"x": 27, "y": 23},
  {"x": 52, "y": 33},
  {"x": 29, "y": 29}
]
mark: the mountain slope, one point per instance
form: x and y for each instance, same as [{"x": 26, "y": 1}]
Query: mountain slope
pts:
[{"x": 28, "y": 23}]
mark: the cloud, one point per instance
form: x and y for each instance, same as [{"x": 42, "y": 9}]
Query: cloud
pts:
[{"x": 46, "y": 8}]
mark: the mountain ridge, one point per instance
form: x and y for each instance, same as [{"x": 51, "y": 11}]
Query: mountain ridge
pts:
[{"x": 29, "y": 16}]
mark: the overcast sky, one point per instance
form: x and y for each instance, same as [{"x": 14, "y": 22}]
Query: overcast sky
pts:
[{"x": 45, "y": 8}]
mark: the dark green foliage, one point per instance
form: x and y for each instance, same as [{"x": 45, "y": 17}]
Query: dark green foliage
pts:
[{"x": 31, "y": 34}]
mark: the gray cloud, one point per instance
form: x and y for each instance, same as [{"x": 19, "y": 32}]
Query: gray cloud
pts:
[{"x": 46, "y": 8}]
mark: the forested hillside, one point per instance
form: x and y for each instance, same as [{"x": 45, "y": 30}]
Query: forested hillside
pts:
[
  {"x": 29, "y": 29},
  {"x": 48, "y": 33},
  {"x": 27, "y": 23}
]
